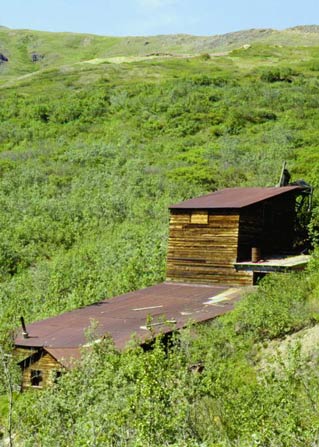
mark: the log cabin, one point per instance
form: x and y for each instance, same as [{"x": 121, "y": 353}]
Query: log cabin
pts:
[{"x": 209, "y": 268}]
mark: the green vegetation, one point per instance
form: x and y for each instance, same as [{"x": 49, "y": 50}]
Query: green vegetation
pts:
[{"x": 91, "y": 155}]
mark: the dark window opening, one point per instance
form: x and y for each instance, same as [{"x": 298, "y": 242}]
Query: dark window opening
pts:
[
  {"x": 257, "y": 277},
  {"x": 36, "y": 377},
  {"x": 57, "y": 375}
]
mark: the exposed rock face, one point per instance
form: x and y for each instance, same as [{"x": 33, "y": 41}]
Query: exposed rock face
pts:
[
  {"x": 3, "y": 58},
  {"x": 35, "y": 57}
]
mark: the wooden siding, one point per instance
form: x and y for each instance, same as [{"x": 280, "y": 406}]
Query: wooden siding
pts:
[
  {"x": 204, "y": 252},
  {"x": 45, "y": 363}
]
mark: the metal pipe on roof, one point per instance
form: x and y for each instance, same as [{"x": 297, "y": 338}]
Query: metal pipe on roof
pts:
[{"x": 24, "y": 329}]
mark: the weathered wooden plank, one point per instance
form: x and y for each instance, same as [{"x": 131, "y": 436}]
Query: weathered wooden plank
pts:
[
  {"x": 209, "y": 245},
  {"x": 177, "y": 236},
  {"x": 200, "y": 263},
  {"x": 188, "y": 276},
  {"x": 212, "y": 218},
  {"x": 206, "y": 274},
  {"x": 222, "y": 219},
  {"x": 212, "y": 215},
  {"x": 203, "y": 240},
  {"x": 215, "y": 279},
  {"x": 210, "y": 261},
  {"x": 199, "y": 217},
  {"x": 201, "y": 237},
  {"x": 226, "y": 225},
  {"x": 180, "y": 218},
  {"x": 205, "y": 228}
]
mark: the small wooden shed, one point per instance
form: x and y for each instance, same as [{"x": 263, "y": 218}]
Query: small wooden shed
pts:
[
  {"x": 42, "y": 366},
  {"x": 209, "y": 235}
]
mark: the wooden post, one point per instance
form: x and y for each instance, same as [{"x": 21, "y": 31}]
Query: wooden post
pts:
[{"x": 255, "y": 254}]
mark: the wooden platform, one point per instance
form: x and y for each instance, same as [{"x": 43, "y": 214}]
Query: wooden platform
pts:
[{"x": 274, "y": 264}]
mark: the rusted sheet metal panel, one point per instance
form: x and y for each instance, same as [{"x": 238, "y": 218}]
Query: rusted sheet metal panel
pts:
[
  {"x": 234, "y": 198},
  {"x": 125, "y": 315}
]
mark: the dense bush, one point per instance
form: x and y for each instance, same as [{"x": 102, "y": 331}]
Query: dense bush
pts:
[{"x": 283, "y": 74}]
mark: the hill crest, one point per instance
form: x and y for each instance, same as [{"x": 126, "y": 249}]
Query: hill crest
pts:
[{"x": 29, "y": 51}]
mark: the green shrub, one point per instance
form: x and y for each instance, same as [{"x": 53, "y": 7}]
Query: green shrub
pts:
[{"x": 284, "y": 74}]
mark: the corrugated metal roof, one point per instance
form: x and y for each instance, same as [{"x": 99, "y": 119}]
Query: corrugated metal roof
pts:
[
  {"x": 234, "y": 198},
  {"x": 125, "y": 315}
]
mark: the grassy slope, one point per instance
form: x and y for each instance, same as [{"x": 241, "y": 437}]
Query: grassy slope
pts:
[
  {"x": 189, "y": 124},
  {"x": 65, "y": 48}
]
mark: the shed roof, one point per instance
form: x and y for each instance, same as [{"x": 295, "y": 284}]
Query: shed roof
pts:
[
  {"x": 235, "y": 198},
  {"x": 125, "y": 315}
]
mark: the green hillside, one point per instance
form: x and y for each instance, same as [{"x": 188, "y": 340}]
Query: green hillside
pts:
[
  {"x": 29, "y": 51},
  {"x": 92, "y": 151}
]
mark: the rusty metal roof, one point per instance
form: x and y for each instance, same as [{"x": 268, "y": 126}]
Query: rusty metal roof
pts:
[
  {"x": 234, "y": 198},
  {"x": 169, "y": 305}
]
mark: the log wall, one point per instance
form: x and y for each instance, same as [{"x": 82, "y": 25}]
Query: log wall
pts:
[{"x": 202, "y": 248}]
